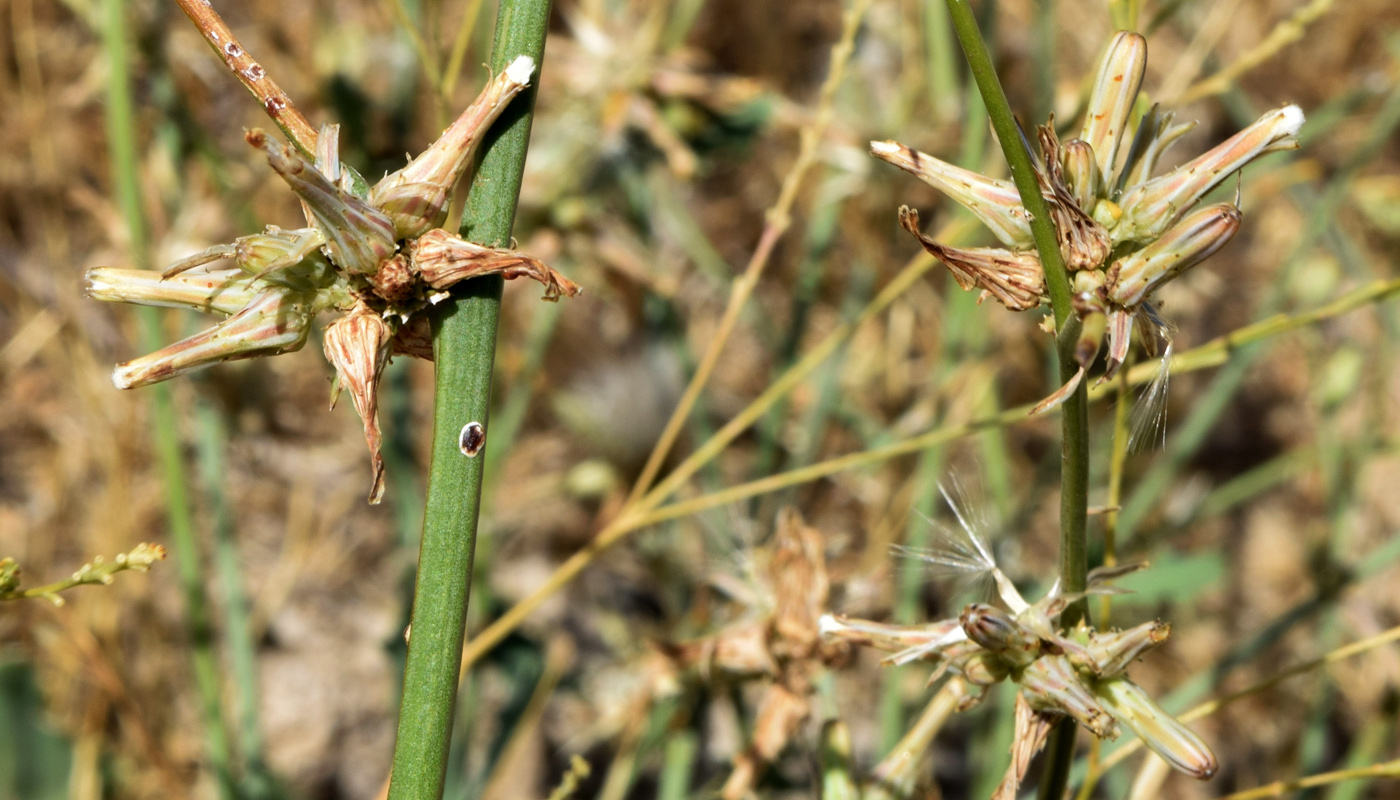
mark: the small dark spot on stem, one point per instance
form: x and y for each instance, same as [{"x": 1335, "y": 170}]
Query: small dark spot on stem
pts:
[{"x": 472, "y": 439}]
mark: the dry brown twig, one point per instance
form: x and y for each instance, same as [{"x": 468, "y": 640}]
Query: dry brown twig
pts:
[{"x": 250, "y": 73}]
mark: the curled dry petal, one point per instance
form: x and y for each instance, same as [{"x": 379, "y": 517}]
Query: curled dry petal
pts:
[
  {"x": 222, "y": 292},
  {"x": 1111, "y": 102},
  {"x": 1177, "y": 744},
  {"x": 357, "y": 345},
  {"x": 1083, "y": 242},
  {"x": 1014, "y": 278},
  {"x": 1155, "y": 135},
  {"x": 779, "y": 716},
  {"x": 1132, "y": 278},
  {"x": 1031, "y": 731},
  {"x": 1150, "y": 208},
  {"x": 357, "y": 235},
  {"x": 800, "y": 585},
  {"x": 995, "y": 202},
  {"x": 275, "y": 321},
  {"x": 444, "y": 259},
  {"x": 416, "y": 197}
]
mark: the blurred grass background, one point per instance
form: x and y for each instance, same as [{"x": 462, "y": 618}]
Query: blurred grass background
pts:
[{"x": 664, "y": 132}]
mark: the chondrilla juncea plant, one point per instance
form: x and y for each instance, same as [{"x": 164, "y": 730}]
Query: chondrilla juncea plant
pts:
[{"x": 776, "y": 325}]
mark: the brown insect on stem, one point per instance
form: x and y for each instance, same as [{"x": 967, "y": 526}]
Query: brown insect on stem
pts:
[{"x": 251, "y": 74}]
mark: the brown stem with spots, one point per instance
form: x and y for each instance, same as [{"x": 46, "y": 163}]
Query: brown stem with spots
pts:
[{"x": 251, "y": 74}]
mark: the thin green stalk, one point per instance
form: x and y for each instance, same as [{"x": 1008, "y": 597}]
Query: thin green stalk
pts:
[
  {"x": 121, "y": 143},
  {"x": 254, "y": 779},
  {"x": 464, "y": 345},
  {"x": 1074, "y": 465}
]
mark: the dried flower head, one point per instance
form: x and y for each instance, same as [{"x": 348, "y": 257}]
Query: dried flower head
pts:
[
  {"x": 1078, "y": 672},
  {"x": 1122, "y": 233},
  {"x": 377, "y": 255}
]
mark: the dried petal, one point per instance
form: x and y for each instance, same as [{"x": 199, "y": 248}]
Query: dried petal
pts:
[
  {"x": 395, "y": 280},
  {"x": 995, "y": 202},
  {"x": 798, "y": 577},
  {"x": 1150, "y": 208},
  {"x": 416, "y": 197},
  {"x": 883, "y": 635},
  {"x": 357, "y": 235},
  {"x": 1155, "y": 135},
  {"x": 1160, "y": 731},
  {"x": 275, "y": 321},
  {"x": 1032, "y": 729},
  {"x": 1083, "y": 241},
  {"x": 223, "y": 292},
  {"x": 1132, "y": 278},
  {"x": 357, "y": 345},
  {"x": 1015, "y": 279},
  {"x": 1115, "y": 92},
  {"x": 778, "y": 718},
  {"x": 444, "y": 259}
]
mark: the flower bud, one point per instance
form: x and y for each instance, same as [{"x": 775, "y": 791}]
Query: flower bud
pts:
[
  {"x": 1051, "y": 684},
  {"x": 998, "y": 632},
  {"x": 357, "y": 345},
  {"x": 223, "y": 292},
  {"x": 1174, "y": 742},
  {"x": 444, "y": 259},
  {"x": 275, "y": 249},
  {"x": 416, "y": 197},
  {"x": 995, "y": 202},
  {"x": 1152, "y": 207},
  {"x": 1132, "y": 278},
  {"x": 1082, "y": 174},
  {"x": 357, "y": 235},
  {"x": 275, "y": 321},
  {"x": 1111, "y": 102},
  {"x": 142, "y": 556},
  {"x": 1014, "y": 278}
]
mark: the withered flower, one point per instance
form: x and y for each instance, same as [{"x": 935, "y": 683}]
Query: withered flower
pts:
[
  {"x": 1078, "y": 672},
  {"x": 1121, "y": 231},
  {"x": 376, "y": 255}
]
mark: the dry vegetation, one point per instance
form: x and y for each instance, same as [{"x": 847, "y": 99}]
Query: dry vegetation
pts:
[{"x": 1271, "y": 515}]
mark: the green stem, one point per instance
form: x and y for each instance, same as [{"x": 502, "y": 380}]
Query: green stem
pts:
[
  {"x": 1074, "y": 475},
  {"x": 464, "y": 344},
  {"x": 121, "y": 142}
]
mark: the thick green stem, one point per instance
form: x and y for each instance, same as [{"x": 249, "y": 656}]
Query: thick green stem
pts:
[
  {"x": 464, "y": 344},
  {"x": 1074, "y": 475}
]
